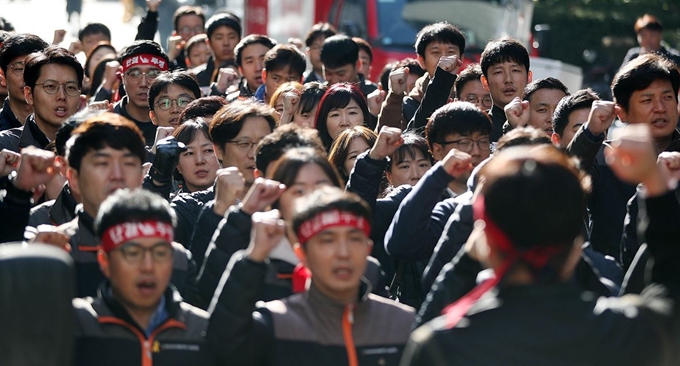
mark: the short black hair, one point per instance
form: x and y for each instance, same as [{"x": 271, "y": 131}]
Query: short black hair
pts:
[
  {"x": 364, "y": 46},
  {"x": 523, "y": 136},
  {"x": 141, "y": 47},
  {"x": 66, "y": 129},
  {"x": 311, "y": 95},
  {"x": 640, "y": 73},
  {"x": 442, "y": 32},
  {"x": 107, "y": 129},
  {"x": 228, "y": 121},
  {"x": 135, "y": 205},
  {"x": 339, "y": 50},
  {"x": 285, "y": 55},
  {"x": 226, "y": 19},
  {"x": 187, "y": 10},
  {"x": 204, "y": 107},
  {"x": 51, "y": 55},
  {"x": 503, "y": 50},
  {"x": 282, "y": 139},
  {"x": 194, "y": 41},
  {"x": 184, "y": 79},
  {"x": 250, "y": 40},
  {"x": 546, "y": 83},
  {"x": 327, "y": 199},
  {"x": 286, "y": 169},
  {"x": 462, "y": 118},
  {"x": 94, "y": 28},
  {"x": 413, "y": 143},
  {"x": 22, "y": 44},
  {"x": 471, "y": 73},
  {"x": 413, "y": 65},
  {"x": 324, "y": 30},
  {"x": 582, "y": 99}
]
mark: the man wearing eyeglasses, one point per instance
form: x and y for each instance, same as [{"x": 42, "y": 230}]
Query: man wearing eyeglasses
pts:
[
  {"x": 137, "y": 314},
  {"x": 53, "y": 80},
  {"x": 13, "y": 53},
  {"x": 169, "y": 94},
  {"x": 141, "y": 63},
  {"x": 469, "y": 88}
]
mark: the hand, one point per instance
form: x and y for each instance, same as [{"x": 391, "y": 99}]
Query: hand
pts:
[
  {"x": 104, "y": 105},
  {"x": 632, "y": 158},
  {"x": 262, "y": 193},
  {"x": 389, "y": 140},
  {"x": 375, "y": 100},
  {"x": 161, "y": 133},
  {"x": 111, "y": 74},
  {"x": 226, "y": 78},
  {"x": 48, "y": 234},
  {"x": 153, "y": 5},
  {"x": 669, "y": 164},
  {"x": 601, "y": 116},
  {"x": 75, "y": 47},
  {"x": 37, "y": 167},
  {"x": 9, "y": 160},
  {"x": 175, "y": 44},
  {"x": 450, "y": 64},
  {"x": 167, "y": 156},
  {"x": 268, "y": 230},
  {"x": 517, "y": 112},
  {"x": 290, "y": 102},
  {"x": 457, "y": 163},
  {"x": 397, "y": 81},
  {"x": 229, "y": 185},
  {"x": 59, "y": 35}
]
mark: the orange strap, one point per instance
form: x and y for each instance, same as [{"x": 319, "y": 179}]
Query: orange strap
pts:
[{"x": 347, "y": 321}]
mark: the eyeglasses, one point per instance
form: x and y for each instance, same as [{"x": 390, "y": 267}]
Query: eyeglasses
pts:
[
  {"x": 17, "y": 68},
  {"x": 71, "y": 88},
  {"x": 134, "y": 253},
  {"x": 243, "y": 145},
  {"x": 186, "y": 30},
  {"x": 166, "y": 103},
  {"x": 136, "y": 75},
  {"x": 466, "y": 145},
  {"x": 485, "y": 100}
]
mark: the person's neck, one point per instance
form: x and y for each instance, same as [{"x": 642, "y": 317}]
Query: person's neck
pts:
[
  {"x": 141, "y": 316},
  {"x": 20, "y": 109},
  {"x": 139, "y": 114},
  {"x": 49, "y": 130},
  {"x": 458, "y": 186},
  {"x": 346, "y": 297},
  {"x": 318, "y": 71}
]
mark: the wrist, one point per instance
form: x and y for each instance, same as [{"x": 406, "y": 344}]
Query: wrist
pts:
[
  {"x": 220, "y": 208},
  {"x": 375, "y": 156}
]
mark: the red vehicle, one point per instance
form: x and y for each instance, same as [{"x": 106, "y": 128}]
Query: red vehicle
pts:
[{"x": 390, "y": 26}]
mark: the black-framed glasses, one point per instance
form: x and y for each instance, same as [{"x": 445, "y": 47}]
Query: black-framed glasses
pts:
[
  {"x": 243, "y": 145},
  {"x": 484, "y": 100},
  {"x": 136, "y": 75},
  {"x": 134, "y": 253},
  {"x": 71, "y": 88},
  {"x": 166, "y": 103},
  {"x": 17, "y": 68},
  {"x": 466, "y": 145}
]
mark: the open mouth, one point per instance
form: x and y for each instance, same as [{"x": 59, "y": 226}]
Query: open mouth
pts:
[
  {"x": 61, "y": 112},
  {"x": 343, "y": 273},
  {"x": 146, "y": 287}
]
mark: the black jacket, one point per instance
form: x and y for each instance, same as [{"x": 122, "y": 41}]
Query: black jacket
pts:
[
  {"x": 556, "y": 324},
  {"x": 498, "y": 119},
  {"x": 436, "y": 95},
  {"x": 54, "y": 212},
  {"x": 106, "y": 334},
  {"x": 187, "y": 206},
  {"x": 307, "y": 328},
  {"x": 18, "y": 138},
  {"x": 148, "y": 128},
  {"x": 15, "y": 206},
  {"x": 7, "y": 118}
]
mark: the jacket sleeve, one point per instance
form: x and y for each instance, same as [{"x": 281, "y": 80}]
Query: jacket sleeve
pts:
[
  {"x": 436, "y": 95},
  {"x": 233, "y": 234},
  {"x": 148, "y": 26},
  {"x": 203, "y": 231},
  {"x": 457, "y": 278},
  {"x": 364, "y": 179},
  {"x": 162, "y": 190},
  {"x": 585, "y": 146},
  {"x": 411, "y": 236},
  {"x": 391, "y": 112},
  {"x": 15, "y": 206},
  {"x": 238, "y": 332}
]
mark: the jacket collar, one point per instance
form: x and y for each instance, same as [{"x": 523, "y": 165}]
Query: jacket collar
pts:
[
  {"x": 31, "y": 134},
  {"x": 9, "y": 116}
]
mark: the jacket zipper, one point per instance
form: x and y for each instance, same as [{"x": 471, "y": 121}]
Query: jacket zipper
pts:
[{"x": 347, "y": 322}]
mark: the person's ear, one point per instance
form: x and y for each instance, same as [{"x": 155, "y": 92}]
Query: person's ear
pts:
[
  {"x": 300, "y": 253},
  {"x": 153, "y": 117},
  {"x": 438, "y": 151},
  {"x": 73, "y": 183},
  {"x": 219, "y": 152},
  {"x": 103, "y": 260},
  {"x": 421, "y": 62},
  {"x": 28, "y": 95},
  {"x": 369, "y": 247},
  {"x": 485, "y": 82},
  {"x": 264, "y": 75},
  {"x": 63, "y": 165},
  {"x": 530, "y": 76},
  {"x": 388, "y": 175},
  {"x": 555, "y": 138},
  {"x": 621, "y": 113},
  {"x": 257, "y": 173},
  {"x": 3, "y": 81}
]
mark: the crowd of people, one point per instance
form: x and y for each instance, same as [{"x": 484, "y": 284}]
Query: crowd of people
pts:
[{"x": 238, "y": 201}]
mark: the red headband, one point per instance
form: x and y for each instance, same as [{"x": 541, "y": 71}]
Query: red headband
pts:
[
  {"x": 537, "y": 257},
  {"x": 145, "y": 59},
  {"x": 122, "y": 233},
  {"x": 327, "y": 219}
]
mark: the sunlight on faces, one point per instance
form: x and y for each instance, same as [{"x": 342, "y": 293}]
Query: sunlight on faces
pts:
[
  {"x": 433, "y": 52},
  {"x": 365, "y": 68},
  {"x": 54, "y": 109},
  {"x": 410, "y": 170},
  {"x": 576, "y": 119},
  {"x": 356, "y": 147},
  {"x": 340, "y": 119},
  {"x": 222, "y": 42},
  {"x": 252, "y": 64},
  {"x": 542, "y": 107},
  {"x": 305, "y": 119},
  {"x": 345, "y": 73},
  {"x": 170, "y": 117},
  {"x": 253, "y": 130},
  {"x": 14, "y": 80},
  {"x": 137, "y": 90},
  {"x": 505, "y": 81},
  {"x": 474, "y": 92},
  {"x": 656, "y": 105},
  {"x": 198, "y": 164},
  {"x": 274, "y": 79},
  {"x": 199, "y": 54}
]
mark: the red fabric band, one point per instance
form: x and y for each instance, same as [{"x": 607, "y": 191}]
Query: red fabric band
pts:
[
  {"x": 122, "y": 233},
  {"x": 145, "y": 59},
  {"x": 327, "y": 219}
]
